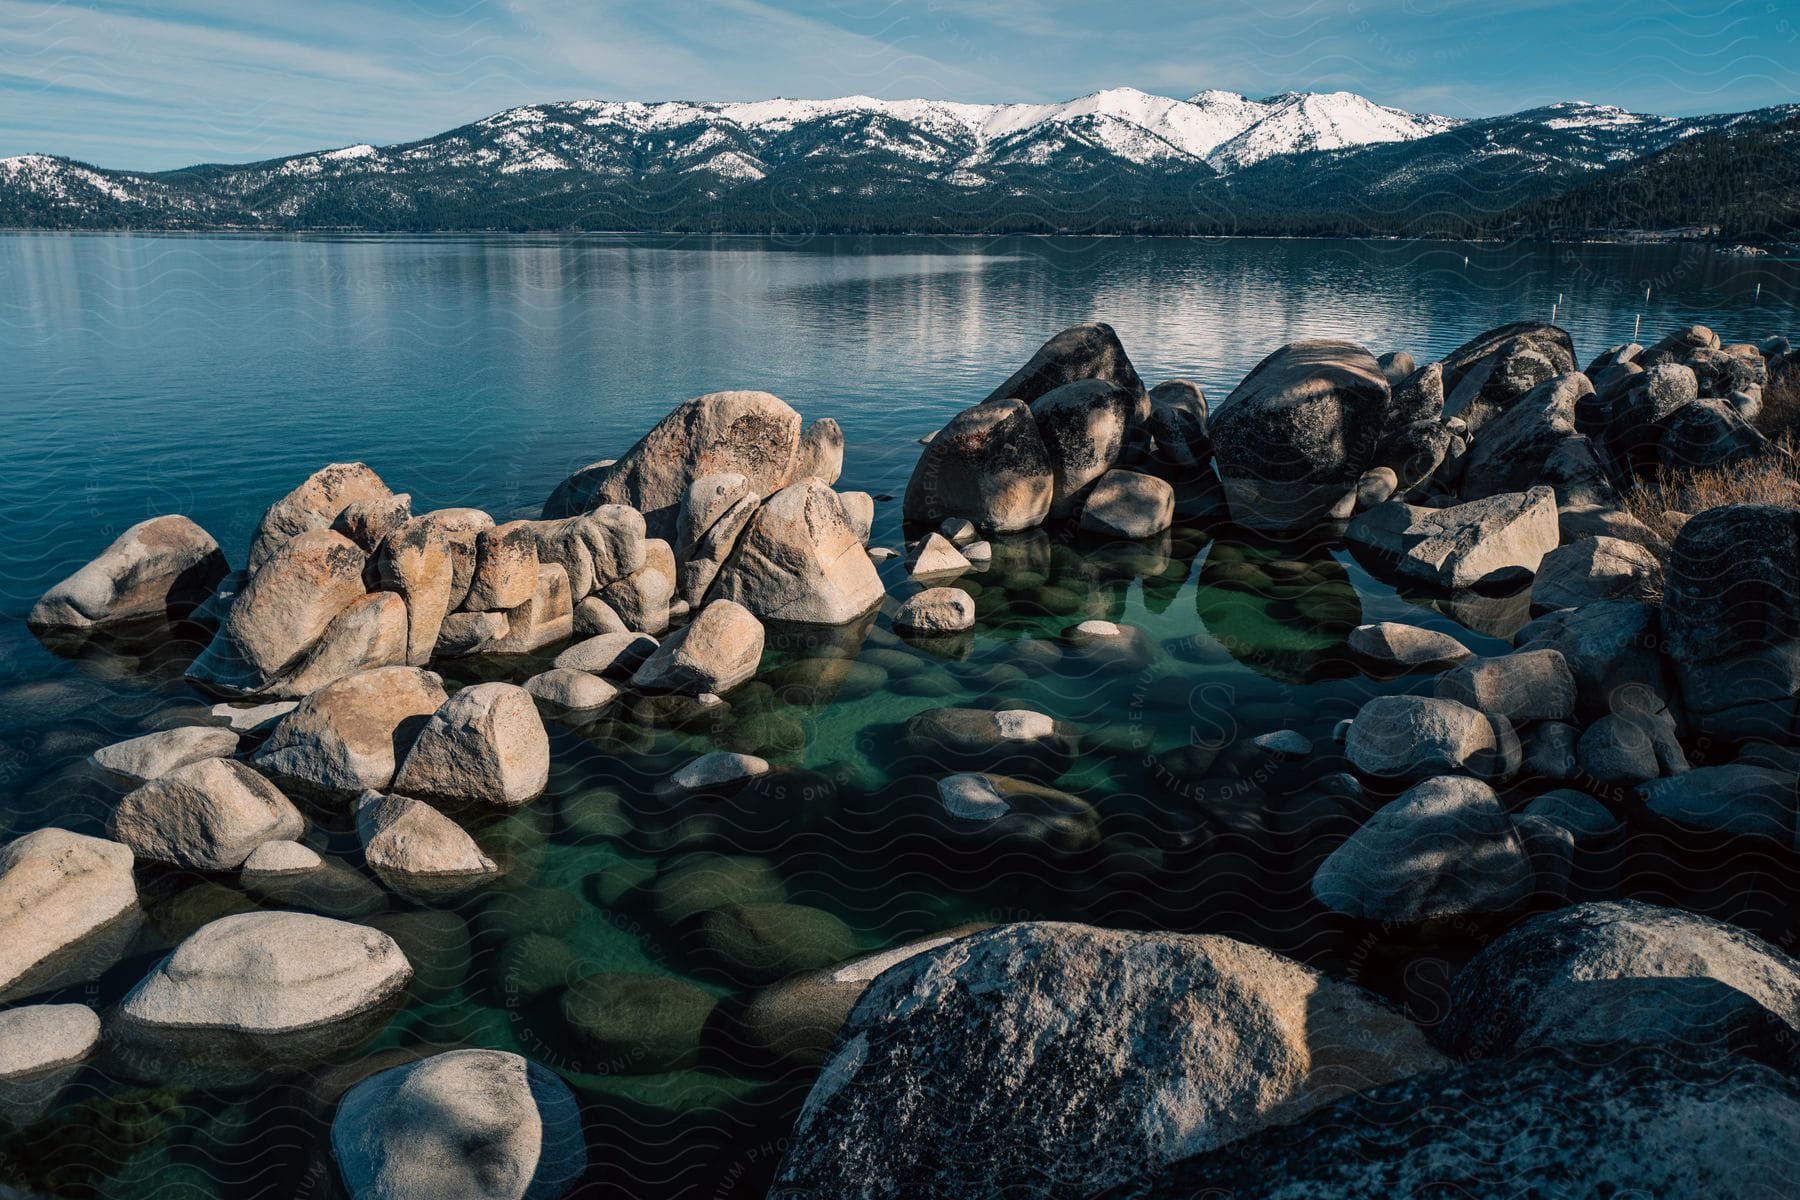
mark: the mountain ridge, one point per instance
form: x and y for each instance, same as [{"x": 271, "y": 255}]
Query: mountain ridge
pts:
[{"x": 1111, "y": 160}]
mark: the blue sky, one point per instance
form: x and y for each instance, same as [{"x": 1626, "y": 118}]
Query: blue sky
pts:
[{"x": 173, "y": 82}]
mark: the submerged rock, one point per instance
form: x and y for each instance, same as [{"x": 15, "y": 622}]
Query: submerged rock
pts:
[
  {"x": 467, "y": 1123},
  {"x": 68, "y": 910},
  {"x": 638, "y": 1024},
  {"x": 1008, "y": 742},
  {"x": 1146, "y": 1048},
  {"x": 166, "y": 566}
]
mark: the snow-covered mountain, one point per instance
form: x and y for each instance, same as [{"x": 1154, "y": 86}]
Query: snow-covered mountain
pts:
[{"x": 1112, "y": 157}]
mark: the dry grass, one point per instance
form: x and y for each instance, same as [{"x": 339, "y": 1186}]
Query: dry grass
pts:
[{"x": 1665, "y": 502}]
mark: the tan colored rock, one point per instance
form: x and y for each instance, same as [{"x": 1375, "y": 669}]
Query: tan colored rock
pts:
[
  {"x": 752, "y": 434},
  {"x": 800, "y": 560},
  {"x": 344, "y": 737},
  {"x": 368, "y": 522},
  {"x": 141, "y": 759},
  {"x": 417, "y": 850},
  {"x": 166, "y": 566},
  {"x": 417, "y": 561},
  {"x": 282, "y": 612},
  {"x": 208, "y": 815},
  {"x": 370, "y": 633},
  {"x": 714, "y": 653},
  {"x": 821, "y": 453},
  {"x": 68, "y": 909},
  {"x": 315, "y": 504},
  {"x": 595, "y": 548},
  {"x": 467, "y": 633},
  {"x": 486, "y": 744},
  {"x": 595, "y": 616},
  {"x": 506, "y": 564},
  {"x": 548, "y": 617}
]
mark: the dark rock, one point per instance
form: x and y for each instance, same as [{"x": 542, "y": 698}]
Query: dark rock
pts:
[
  {"x": 1293, "y": 438},
  {"x": 1080, "y": 352},
  {"x": 1486, "y": 375},
  {"x": 1145, "y": 1048},
  {"x": 989, "y": 465}
]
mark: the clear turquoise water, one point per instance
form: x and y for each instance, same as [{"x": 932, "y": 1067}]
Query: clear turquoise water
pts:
[{"x": 143, "y": 375}]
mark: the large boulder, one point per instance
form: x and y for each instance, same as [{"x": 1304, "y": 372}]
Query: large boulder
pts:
[
  {"x": 545, "y": 619},
  {"x": 714, "y": 511},
  {"x": 1731, "y": 617},
  {"x": 1493, "y": 541},
  {"x": 506, "y": 567},
  {"x": 418, "y": 562},
  {"x": 1780, "y": 415},
  {"x": 1445, "y": 848},
  {"x": 717, "y": 651},
  {"x": 265, "y": 986},
  {"x": 480, "y": 1124},
  {"x": 486, "y": 745},
  {"x": 1486, "y": 375},
  {"x": 1641, "y": 1123},
  {"x": 988, "y": 465},
  {"x": 282, "y": 613},
  {"x": 1083, "y": 425},
  {"x": 1535, "y": 441},
  {"x": 166, "y": 566},
  {"x": 800, "y": 560},
  {"x": 42, "y": 1049},
  {"x": 315, "y": 504},
  {"x": 208, "y": 816},
  {"x": 1294, "y": 437},
  {"x": 348, "y": 736},
  {"x": 1081, "y": 352},
  {"x": 1565, "y": 978},
  {"x": 1063, "y": 1059},
  {"x": 68, "y": 910},
  {"x": 752, "y": 434},
  {"x": 1415, "y": 737}
]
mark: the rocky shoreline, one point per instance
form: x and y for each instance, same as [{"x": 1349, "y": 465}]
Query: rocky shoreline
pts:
[{"x": 1648, "y": 711}]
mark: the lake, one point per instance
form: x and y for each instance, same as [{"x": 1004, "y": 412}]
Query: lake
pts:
[{"x": 143, "y": 375}]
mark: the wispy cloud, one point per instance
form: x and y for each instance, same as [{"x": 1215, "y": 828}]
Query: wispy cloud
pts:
[{"x": 133, "y": 84}]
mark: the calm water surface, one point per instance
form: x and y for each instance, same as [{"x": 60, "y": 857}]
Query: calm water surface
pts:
[{"x": 144, "y": 375}]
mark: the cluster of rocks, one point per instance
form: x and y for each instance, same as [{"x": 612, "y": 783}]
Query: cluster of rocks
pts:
[{"x": 1650, "y": 686}]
